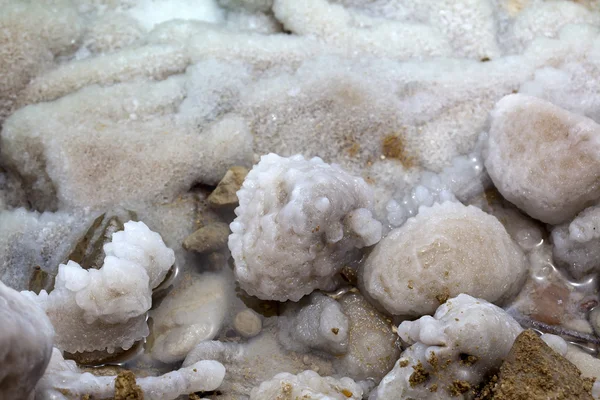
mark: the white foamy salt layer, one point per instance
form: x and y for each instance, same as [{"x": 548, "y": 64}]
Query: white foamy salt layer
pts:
[
  {"x": 463, "y": 179},
  {"x": 298, "y": 223},
  {"x": 25, "y": 343},
  {"x": 542, "y": 158},
  {"x": 445, "y": 250},
  {"x": 307, "y": 385},
  {"x": 64, "y": 381},
  {"x": 466, "y": 339},
  {"x": 105, "y": 308}
]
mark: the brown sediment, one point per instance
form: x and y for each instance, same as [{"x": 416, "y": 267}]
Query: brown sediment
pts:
[
  {"x": 459, "y": 387},
  {"x": 534, "y": 371},
  {"x": 419, "y": 375},
  {"x": 468, "y": 360},
  {"x": 393, "y": 146},
  {"x": 126, "y": 388},
  {"x": 443, "y": 297}
]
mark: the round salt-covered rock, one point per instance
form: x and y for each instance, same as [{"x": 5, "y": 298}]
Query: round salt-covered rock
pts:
[
  {"x": 543, "y": 158},
  {"x": 445, "y": 250},
  {"x": 299, "y": 222},
  {"x": 25, "y": 344}
]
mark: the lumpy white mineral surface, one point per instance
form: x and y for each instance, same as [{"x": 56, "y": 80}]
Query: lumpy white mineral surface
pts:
[
  {"x": 307, "y": 385},
  {"x": 299, "y": 221},
  {"x": 64, "y": 381},
  {"x": 463, "y": 341},
  {"x": 445, "y": 250},
  {"x": 404, "y": 156},
  {"x": 106, "y": 308}
]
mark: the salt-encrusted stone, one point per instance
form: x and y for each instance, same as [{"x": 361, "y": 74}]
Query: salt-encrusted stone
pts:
[
  {"x": 451, "y": 352},
  {"x": 445, "y": 250},
  {"x": 543, "y": 158},
  {"x": 298, "y": 223}
]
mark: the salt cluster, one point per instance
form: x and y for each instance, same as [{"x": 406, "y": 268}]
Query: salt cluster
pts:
[
  {"x": 463, "y": 341},
  {"x": 298, "y": 223},
  {"x": 429, "y": 160},
  {"x": 464, "y": 178},
  {"x": 105, "y": 308},
  {"x": 307, "y": 385}
]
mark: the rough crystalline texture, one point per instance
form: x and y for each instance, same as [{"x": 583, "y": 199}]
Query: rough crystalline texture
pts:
[
  {"x": 63, "y": 380},
  {"x": 32, "y": 34},
  {"x": 535, "y": 371},
  {"x": 461, "y": 181},
  {"x": 298, "y": 223},
  {"x": 105, "y": 308},
  {"x": 451, "y": 352},
  {"x": 543, "y": 159},
  {"x": 342, "y": 28},
  {"x": 307, "y": 385},
  {"x": 25, "y": 344},
  {"x": 70, "y": 152},
  {"x": 445, "y": 250},
  {"x": 577, "y": 244}
]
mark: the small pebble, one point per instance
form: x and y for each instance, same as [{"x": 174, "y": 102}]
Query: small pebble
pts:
[
  {"x": 207, "y": 239},
  {"x": 247, "y": 323}
]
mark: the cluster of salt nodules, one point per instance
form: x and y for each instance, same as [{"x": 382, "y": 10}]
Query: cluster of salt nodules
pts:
[
  {"x": 106, "y": 308},
  {"x": 298, "y": 223},
  {"x": 25, "y": 344},
  {"x": 63, "y": 380},
  {"x": 443, "y": 251},
  {"x": 461, "y": 180},
  {"x": 450, "y": 352},
  {"x": 577, "y": 243}
]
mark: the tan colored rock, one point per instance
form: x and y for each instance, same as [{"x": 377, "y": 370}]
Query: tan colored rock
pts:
[
  {"x": 207, "y": 239},
  {"x": 534, "y": 371},
  {"x": 247, "y": 323},
  {"x": 224, "y": 196}
]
